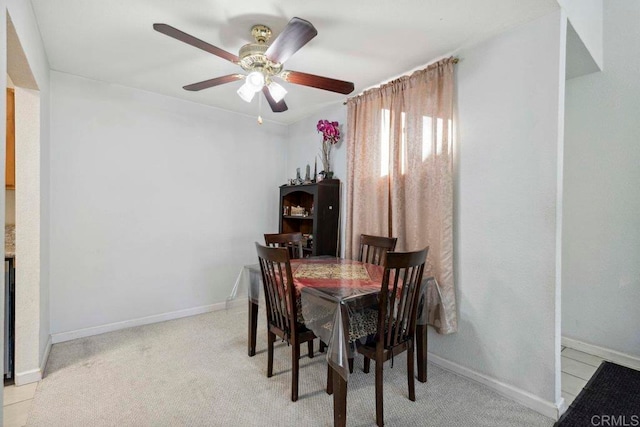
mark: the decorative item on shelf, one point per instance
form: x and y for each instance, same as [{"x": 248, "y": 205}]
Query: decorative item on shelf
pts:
[
  {"x": 307, "y": 176},
  {"x": 315, "y": 169},
  {"x": 286, "y": 210},
  {"x": 297, "y": 211},
  {"x": 298, "y": 178},
  {"x": 330, "y": 136},
  {"x": 307, "y": 241}
]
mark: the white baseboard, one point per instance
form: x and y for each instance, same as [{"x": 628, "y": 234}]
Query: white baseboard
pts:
[
  {"x": 562, "y": 407},
  {"x": 604, "y": 353},
  {"x": 525, "y": 398},
  {"x": 110, "y": 327},
  {"x": 34, "y": 375},
  {"x": 27, "y": 377}
]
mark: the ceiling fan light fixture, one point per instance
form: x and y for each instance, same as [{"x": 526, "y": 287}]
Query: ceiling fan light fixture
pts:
[
  {"x": 277, "y": 91},
  {"x": 246, "y": 92},
  {"x": 262, "y": 62},
  {"x": 255, "y": 80}
]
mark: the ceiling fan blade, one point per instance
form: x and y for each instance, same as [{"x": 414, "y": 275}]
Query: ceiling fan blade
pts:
[
  {"x": 296, "y": 34},
  {"x": 186, "y": 38},
  {"x": 276, "y": 107},
  {"x": 213, "y": 82},
  {"x": 319, "y": 82}
]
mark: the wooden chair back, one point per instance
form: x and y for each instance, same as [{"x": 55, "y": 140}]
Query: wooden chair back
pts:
[
  {"x": 291, "y": 241},
  {"x": 397, "y": 317},
  {"x": 280, "y": 298},
  {"x": 398, "y": 304},
  {"x": 279, "y": 292},
  {"x": 373, "y": 249}
]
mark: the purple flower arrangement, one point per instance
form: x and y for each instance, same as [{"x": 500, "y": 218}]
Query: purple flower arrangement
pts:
[{"x": 330, "y": 136}]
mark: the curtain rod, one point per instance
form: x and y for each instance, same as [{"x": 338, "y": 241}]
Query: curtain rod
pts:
[{"x": 454, "y": 60}]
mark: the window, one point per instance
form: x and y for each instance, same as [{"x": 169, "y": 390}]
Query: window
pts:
[{"x": 427, "y": 136}]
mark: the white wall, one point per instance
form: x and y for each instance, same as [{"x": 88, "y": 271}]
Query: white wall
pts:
[
  {"x": 157, "y": 201},
  {"x": 508, "y": 118},
  {"x": 35, "y": 345},
  {"x": 586, "y": 19},
  {"x": 28, "y": 263},
  {"x": 304, "y": 146},
  {"x": 601, "y": 268}
]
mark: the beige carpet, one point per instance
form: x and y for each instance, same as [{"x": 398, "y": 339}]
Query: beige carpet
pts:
[{"x": 195, "y": 372}]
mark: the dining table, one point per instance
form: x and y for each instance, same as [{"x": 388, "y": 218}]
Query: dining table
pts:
[{"x": 334, "y": 294}]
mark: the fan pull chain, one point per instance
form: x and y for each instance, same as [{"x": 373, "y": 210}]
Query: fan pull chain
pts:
[{"x": 259, "y": 109}]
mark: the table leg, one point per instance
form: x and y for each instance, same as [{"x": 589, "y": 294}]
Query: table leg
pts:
[
  {"x": 421, "y": 345},
  {"x": 339, "y": 400},
  {"x": 253, "y": 326}
]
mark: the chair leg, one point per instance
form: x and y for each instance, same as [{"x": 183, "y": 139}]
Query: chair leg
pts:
[
  {"x": 367, "y": 365},
  {"x": 271, "y": 337},
  {"x": 351, "y": 365},
  {"x": 379, "y": 395},
  {"x": 323, "y": 346},
  {"x": 310, "y": 348},
  {"x": 410, "y": 374},
  {"x": 329, "y": 380},
  {"x": 295, "y": 369}
]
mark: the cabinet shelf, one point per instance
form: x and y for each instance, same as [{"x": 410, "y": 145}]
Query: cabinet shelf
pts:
[{"x": 310, "y": 217}]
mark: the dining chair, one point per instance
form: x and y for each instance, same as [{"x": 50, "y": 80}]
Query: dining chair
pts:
[
  {"x": 397, "y": 316},
  {"x": 282, "y": 315},
  {"x": 291, "y": 241},
  {"x": 373, "y": 249}
]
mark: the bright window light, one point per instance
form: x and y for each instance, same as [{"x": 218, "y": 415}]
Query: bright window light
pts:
[
  {"x": 427, "y": 132},
  {"x": 385, "y": 128},
  {"x": 439, "y": 135},
  {"x": 403, "y": 147}
]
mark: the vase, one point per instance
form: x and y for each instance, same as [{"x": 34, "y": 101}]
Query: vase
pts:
[{"x": 330, "y": 175}]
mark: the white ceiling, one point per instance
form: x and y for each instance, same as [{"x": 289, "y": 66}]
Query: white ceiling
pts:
[{"x": 363, "y": 41}]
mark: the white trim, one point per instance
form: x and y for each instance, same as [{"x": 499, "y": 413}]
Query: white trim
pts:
[
  {"x": 604, "y": 353},
  {"x": 562, "y": 407},
  {"x": 525, "y": 398},
  {"x": 45, "y": 357},
  {"x": 32, "y": 376},
  {"x": 557, "y": 329},
  {"x": 110, "y": 327}
]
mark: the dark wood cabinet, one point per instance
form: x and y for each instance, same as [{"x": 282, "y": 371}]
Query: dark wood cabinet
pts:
[{"x": 314, "y": 211}]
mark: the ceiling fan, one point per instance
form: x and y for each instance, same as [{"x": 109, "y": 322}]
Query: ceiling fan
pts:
[{"x": 263, "y": 62}]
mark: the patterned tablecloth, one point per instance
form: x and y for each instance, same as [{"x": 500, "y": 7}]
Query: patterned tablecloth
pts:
[{"x": 338, "y": 301}]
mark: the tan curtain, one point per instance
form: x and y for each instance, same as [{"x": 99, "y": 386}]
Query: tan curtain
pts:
[{"x": 399, "y": 167}]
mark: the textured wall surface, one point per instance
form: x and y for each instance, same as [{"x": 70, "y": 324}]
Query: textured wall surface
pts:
[
  {"x": 601, "y": 241},
  {"x": 508, "y": 96},
  {"x": 157, "y": 201}
]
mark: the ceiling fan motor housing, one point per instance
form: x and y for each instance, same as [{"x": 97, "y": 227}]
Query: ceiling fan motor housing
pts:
[{"x": 252, "y": 55}]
